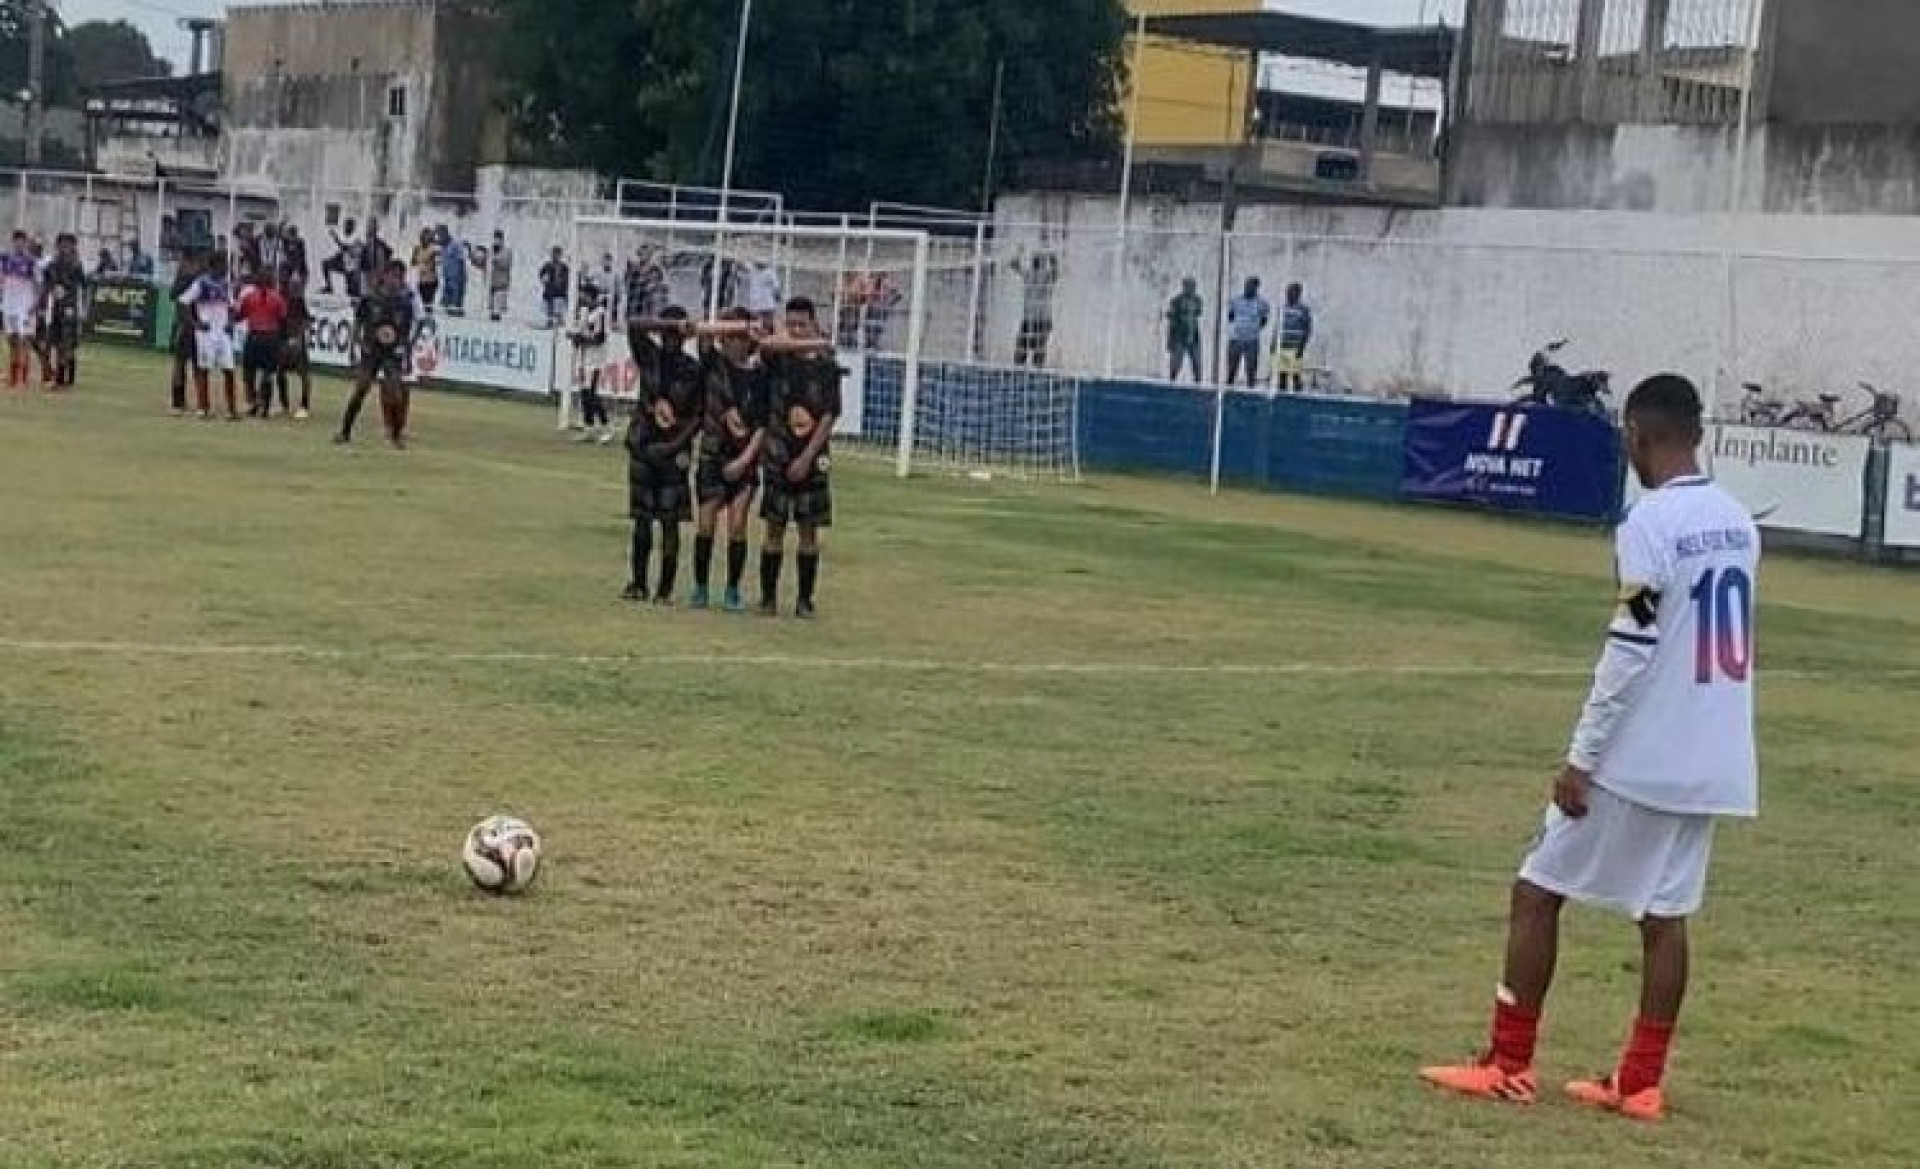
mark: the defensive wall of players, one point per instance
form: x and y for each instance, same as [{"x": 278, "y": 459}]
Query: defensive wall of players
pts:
[{"x": 1842, "y": 490}]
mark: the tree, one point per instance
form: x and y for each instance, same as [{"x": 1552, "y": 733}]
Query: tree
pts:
[
  {"x": 102, "y": 51},
  {"x": 843, "y": 101}
]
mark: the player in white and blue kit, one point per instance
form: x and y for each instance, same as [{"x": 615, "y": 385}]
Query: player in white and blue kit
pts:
[
  {"x": 1663, "y": 751},
  {"x": 20, "y": 307},
  {"x": 211, "y": 300}
]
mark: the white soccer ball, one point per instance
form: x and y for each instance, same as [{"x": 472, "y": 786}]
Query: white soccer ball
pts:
[{"x": 502, "y": 854}]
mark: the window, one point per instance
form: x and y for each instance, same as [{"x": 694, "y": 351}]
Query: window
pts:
[{"x": 396, "y": 101}]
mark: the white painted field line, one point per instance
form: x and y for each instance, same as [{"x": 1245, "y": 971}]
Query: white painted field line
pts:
[{"x": 1091, "y": 669}]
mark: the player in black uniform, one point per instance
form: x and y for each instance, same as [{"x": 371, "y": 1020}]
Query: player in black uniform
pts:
[
  {"x": 192, "y": 264},
  {"x": 660, "y": 446},
  {"x": 803, "y": 403},
  {"x": 63, "y": 288},
  {"x": 295, "y": 359},
  {"x": 384, "y": 328},
  {"x": 731, "y": 432}
]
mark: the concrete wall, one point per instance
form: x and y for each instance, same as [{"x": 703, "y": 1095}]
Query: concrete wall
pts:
[
  {"x": 1845, "y": 62},
  {"x": 1456, "y": 300},
  {"x": 1686, "y": 170},
  {"x": 307, "y": 90}
]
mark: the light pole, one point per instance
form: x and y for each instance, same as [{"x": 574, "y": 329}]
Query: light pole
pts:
[
  {"x": 1737, "y": 195},
  {"x": 726, "y": 164}
]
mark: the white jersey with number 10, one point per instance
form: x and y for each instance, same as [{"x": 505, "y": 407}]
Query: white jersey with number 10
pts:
[{"x": 1688, "y": 560}]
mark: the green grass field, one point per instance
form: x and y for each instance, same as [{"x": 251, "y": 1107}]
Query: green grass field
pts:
[{"x": 1106, "y": 825}]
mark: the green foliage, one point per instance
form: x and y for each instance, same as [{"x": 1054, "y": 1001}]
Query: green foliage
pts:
[
  {"x": 111, "y": 50},
  {"x": 85, "y": 55},
  {"x": 842, "y": 101}
]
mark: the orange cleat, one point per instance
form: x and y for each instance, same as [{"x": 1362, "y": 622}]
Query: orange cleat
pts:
[
  {"x": 1648, "y": 1104},
  {"x": 1486, "y": 1080}
]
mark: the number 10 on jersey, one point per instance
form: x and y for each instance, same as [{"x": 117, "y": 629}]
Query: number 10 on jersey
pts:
[{"x": 1723, "y": 620}]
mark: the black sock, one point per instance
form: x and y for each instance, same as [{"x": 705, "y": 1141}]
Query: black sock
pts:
[
  {"x": 702, "y": 561},
  {"x": 642, "y": 551},
  {"x": 669, "y": 568},
  {"x": 736, "y": 562},
  {"x": 809, "y": 563},
  {"x": 769, "y": 575},
  {"x": 352, "y": 415}
]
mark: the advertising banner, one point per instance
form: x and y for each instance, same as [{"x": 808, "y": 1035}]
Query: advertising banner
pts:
[
  {"x": 124, "y": 308},
  {"x": 1794, "y": 480},
  {"x": 1516, "y": 458},
  {"x": 497, "y": 355},
  {"x": 1903, "y": 496}
]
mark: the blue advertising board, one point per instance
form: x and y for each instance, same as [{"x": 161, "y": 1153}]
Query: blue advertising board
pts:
[{"x": 1536, "y": 459}]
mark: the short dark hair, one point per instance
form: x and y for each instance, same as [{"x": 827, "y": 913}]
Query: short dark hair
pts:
[
  {"x": 804, "y": 305},
  {"x": 1666, "y": 408},
  {"x": 673, "y": 312},
  {"x": 736, "y": 315}
]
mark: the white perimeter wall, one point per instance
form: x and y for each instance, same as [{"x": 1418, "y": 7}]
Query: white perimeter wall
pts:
[{"x": 1455, "y": 300}]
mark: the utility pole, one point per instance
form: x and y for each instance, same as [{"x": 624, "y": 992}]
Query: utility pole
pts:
[{"x": 36, "y": 78}]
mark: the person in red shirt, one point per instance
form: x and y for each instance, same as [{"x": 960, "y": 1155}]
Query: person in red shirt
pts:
[{"x": 265, "y": 312}]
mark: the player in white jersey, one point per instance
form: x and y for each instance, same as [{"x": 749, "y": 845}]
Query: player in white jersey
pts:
[
  {"x": 1664, "y": 749},
  {"x": 20, "y": 307},
  {"x": 211, "y": 300}
]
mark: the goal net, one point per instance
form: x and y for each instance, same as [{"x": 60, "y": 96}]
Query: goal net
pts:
[{"x": 903, "y": 307}]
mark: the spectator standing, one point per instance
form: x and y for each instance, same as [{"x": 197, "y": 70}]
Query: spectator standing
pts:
[
  {"x": 883, "y": 296},
  {"x": 1290, "y": 345},
  {"x": 499, "y": 263},
  {"x": 555, "y": 278},
  {"x": 106, "y": 265},
  {"x": 646, "y": 286},
  {"x": 763, "y": 295},
  {"x": 426, "y": 268},
  {"x": 1184, "y": 314},
  {"x": 607, "y": 281},
  {"x": 140, "y": 263},
  {"x": 273, "y": 252},
  {"x": 375, "y": 255},
  {"x": 345, "y": 261},
  {"x": 1040, "y": 277},
  {"x": 1247, "y": 320},
  {"x": 295, "y": 260},
  {"x": 453, "y": 271}
]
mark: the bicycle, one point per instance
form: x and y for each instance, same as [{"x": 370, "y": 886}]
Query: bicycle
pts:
[
  {"x": 1756, "y": 409},
  {"x": 1880, "y": 420}
]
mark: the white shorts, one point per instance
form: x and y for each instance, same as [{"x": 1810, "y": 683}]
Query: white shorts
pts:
[
  {"x": 213, "y": 349},
  {"x": 21, "y": 320},
  {"x": 1624, "y": 856}
]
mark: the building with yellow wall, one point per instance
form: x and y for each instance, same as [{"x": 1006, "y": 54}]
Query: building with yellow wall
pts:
[{"x": 1191, "y": 95}]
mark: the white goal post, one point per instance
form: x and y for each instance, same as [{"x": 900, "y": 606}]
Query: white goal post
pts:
[{"x": 900, "y": 305}]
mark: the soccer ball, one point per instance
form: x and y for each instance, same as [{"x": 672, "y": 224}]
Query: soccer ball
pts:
[{"x": 502, "y": 854}]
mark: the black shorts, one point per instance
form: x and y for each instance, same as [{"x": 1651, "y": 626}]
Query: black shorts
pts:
[
  {"x": 659, "y": 491},
  {"x": 262, "y": 354},
  {"x": 184, "y": 345},
  {"x": 711, "y": 485},
  {"x": 809, "y": 504},
  {"x": 380, "y": 364},
  {"x": 293, "y": 355}
]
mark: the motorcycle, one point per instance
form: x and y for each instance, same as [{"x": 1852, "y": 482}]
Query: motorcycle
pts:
[{"x": 1549, "y": 384}]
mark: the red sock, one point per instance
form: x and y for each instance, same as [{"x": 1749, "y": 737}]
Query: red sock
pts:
[
  {"x": 1644, "y": 1063},
  {"x": 1515, "y": 1031}
]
